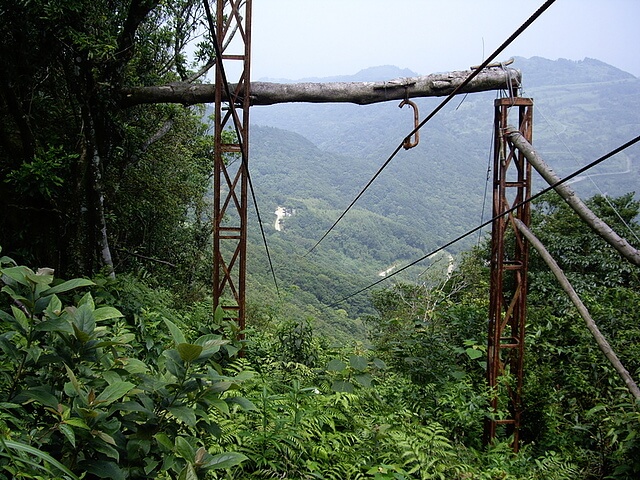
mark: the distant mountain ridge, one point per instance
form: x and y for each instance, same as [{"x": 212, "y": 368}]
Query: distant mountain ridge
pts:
[
  {"x": 371, "y": 74},
  {"x": 538, "y": 71}
]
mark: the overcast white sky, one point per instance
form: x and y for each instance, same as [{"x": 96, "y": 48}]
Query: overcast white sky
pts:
[{"x": 316, "y": 38}]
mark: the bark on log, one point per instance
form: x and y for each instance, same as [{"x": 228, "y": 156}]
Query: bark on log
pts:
[
  {"x": 361, "y": 93},
  {"x": 569, "y": 195},
  {"x": 582, "y": 309}
]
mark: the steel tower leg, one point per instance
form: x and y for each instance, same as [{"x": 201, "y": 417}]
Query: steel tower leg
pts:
[
  {"x": 509, "y": 264},
  {"x": 231, "y": 153}
]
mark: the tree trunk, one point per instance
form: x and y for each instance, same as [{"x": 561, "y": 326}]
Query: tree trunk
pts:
[
  {"x": 584, "y": 313},
  {"x": 361, "y": 93},
  {"x": 599, "y": 226}
]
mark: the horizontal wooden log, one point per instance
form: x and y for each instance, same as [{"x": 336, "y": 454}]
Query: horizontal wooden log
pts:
[{"x": 361, "y": 93}]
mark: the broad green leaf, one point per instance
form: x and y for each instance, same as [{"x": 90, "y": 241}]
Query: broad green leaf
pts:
[
  {"x": 358, "y": 363},
  {"x": 379, "y": 364},
  {"x": 176, "y": 333},
  {"x": 336, "y": 365},
  {"x": 19, "y": 274},
  {"x": 189, "y": 352},
  {"x": 133, "y": 365},
  {"x": 45, "y": 398},
  {"x": 106, "y": 313},
  {"x": 42, "y": 277},
  {"x": 188, "y": 473},
  {"x": 174, "y": 363},
  {"x": 105, "y": 437},
  {"x": 45, "y": 457},
  {"x": 244, "y": 403},
  {"x": 342, "y": 386},
  {"x": 222, "y": 386},
  {"x": 77, "y": 422},
  {"x": 107, "y": 449},
  {"x": 218, "y": 315},
  {"x": 221, "y": 405},
  {"x": 68, "y": 432},
  {"x": 54, "y": 307},
  {"x": 364, "y": 379},
  {"x": 473, "y": 354},
  {"x": 232, "y": 350},
  {"x": 80, "y": 335},
  {"x": 68, "y": 285},
  {"x": 210, "y": 344},
  {"x": 225, "y": 460},
  {"x": 20, "y": 317},
  {"x": 104, "y": 469},
  {"x": 4, "y": 260},
  {"x": 132, "y": 406},
  {"x": 243, "y": 376},
  {"x": 16, "y": 296},
  {"x": 184, "y": 414},
  {"x": 114, "y": 392},
  {"x": 164, "y": 440},
  {"x": 149, "y": 466},
  {"x": 74, "y": 381},
  {"x": 185, "y": 450},
  {"x": 83, "y": 319},
  {"x": 34, "y": 353},
  {"x": 210, "y": 339},
  {"x": 54, "y": 325},
  {"x": 87, "y": 299}
]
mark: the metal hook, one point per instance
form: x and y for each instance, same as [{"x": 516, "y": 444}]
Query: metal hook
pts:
[{"x": 416, "y": 121}]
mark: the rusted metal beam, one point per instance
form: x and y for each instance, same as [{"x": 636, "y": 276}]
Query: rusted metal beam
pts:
[
  {"x": 231, "y": 139},
  {"x": 509, "y": 265}
]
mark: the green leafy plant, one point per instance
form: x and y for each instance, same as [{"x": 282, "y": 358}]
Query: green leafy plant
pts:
[{"x": 87, "y": 405}]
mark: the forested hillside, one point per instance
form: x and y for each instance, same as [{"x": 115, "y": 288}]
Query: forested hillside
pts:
[{"x": 114, "y": 362}]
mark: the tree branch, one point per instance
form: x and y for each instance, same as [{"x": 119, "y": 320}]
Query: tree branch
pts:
[
  {"x": 138, "y": 11},
  {"x": 582, "y": 309},
  {"x": 144, "y": 257},
  {"x": 361, "y": 93}
]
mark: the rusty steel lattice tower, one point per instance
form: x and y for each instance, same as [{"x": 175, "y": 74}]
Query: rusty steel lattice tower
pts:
[
  {"x": 509, "y": 265},
  {"x": 231, "y": 153}
]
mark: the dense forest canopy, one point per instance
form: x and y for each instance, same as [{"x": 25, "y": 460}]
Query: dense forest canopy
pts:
[
  {"x": 136, "y": 377},
  {"x": 85, "y": 181}
]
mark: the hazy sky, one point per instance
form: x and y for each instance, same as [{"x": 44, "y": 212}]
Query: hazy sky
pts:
[{"x": 315, "y": 38}]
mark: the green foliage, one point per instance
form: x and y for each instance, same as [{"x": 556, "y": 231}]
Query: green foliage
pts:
[
  {"x": 43, "y": 175},
  {"x": 296, "y": 343},
  {"x": 80, "y": 393},
  {"x": 423, "y": 333},
  {"x": 569, "y": 385},
  {"x": 89, "y": 184}
]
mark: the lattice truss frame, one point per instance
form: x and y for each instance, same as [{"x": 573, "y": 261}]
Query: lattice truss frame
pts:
[
  {"x": 509, "y": 267},
  {"x": 231, "y": 153}
]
